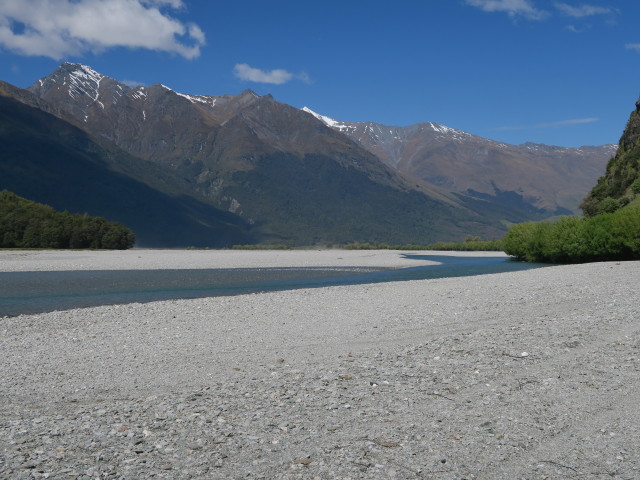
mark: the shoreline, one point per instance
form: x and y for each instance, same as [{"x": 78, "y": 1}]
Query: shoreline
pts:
[
  {"x": 514, "y": 375},
  {"x": 150, "y": 259}
]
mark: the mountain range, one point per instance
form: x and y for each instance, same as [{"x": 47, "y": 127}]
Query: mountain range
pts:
[
  {"x": 217, "y": 170},
  {"x": 553, "y": 179}
]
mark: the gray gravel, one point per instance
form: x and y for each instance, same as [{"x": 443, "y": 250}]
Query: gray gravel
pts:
[
  {"x": 146, "y": 259},
  {"x": 525, "y": 375}
]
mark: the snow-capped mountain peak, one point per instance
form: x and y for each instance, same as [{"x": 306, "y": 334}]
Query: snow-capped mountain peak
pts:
[
  {"x": 83, "y": 81},
  {"x": 375, "y": 129},
  {"x": 199, "y": 99},
  {"x": 328, "y": 121},
  {"x": 83, "y": 71}
]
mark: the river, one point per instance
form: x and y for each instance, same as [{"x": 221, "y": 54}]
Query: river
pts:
[{"x": 36, "y": 292}]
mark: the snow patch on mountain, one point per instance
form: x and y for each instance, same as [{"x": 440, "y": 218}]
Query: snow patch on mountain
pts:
[
  {"x": 375, "y": 130},
  {"x": 84, "y": 81},
  {"x": 203, "y": 99},
  {"x": 330, "y": 122},
  {"x": 448, "y": 130},
  {"x": 139, "y": 93}
]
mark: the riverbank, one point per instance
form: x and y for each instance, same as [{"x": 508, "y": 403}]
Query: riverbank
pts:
[
  {"x": 530, "y": 374},
  {"x": 148, "y": 259}
]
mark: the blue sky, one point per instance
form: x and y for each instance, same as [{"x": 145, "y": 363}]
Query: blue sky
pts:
[{"x": 555, "y": 72}]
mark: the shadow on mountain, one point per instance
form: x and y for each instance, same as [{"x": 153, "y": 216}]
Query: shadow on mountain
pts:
[{"x": 47, "y": 160}]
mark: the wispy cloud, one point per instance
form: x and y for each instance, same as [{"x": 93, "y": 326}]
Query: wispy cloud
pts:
[
  {"x": 584, "y": 10},
  {"x": 574, "y": 29},
  {"x": 133, "y": 83},
  {"x": 514, "y": 8},
  {"x": 246, "y": 72},
  {"x": 304, "y": 77},
  {"x": 633, "y": 46},
  {"x": 561, "y": 123},
  {"x": 60, "y": 28}
]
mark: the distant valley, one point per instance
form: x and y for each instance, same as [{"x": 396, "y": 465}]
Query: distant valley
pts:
[{"x": 215, "y": 171}]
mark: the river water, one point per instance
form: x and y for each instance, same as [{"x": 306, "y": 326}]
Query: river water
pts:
[{"x": 36, "y": 292}]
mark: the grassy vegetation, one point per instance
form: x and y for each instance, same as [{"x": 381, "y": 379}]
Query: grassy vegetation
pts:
[
  {"x": 470, "y": 244},
  {"x": 26, "y": 224},
  {"x": 278, "y": 246}
]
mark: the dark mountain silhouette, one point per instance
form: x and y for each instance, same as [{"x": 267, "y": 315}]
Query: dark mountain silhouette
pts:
[{"x": 48, "y": 160}]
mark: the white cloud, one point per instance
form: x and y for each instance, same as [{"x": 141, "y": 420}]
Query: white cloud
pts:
[
  {"x": 133, "y": 83},
  {"x": 560, "y": 123},
  {"x": 584, "y": 10},
  {"x": 574, "y": 29},
  {"x": 513, "y": 8},
  {"x": 248, "y": 73},
  {"x": 59, "y": 28},
  {"x": 633, "y": 46},
  {"x": 304, "y": 77},
  {"x": 160, "y": 3},
  {"x": 563, "y": 123}
]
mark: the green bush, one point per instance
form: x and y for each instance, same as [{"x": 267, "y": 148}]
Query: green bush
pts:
[
  {"x": 608, "y": 205},
  {"x": 516, "y": 241},
  {"x": 609, "y": 236}
]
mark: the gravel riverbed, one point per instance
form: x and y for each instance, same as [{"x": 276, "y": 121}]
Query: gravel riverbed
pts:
[{"x": 524, "y": 375}]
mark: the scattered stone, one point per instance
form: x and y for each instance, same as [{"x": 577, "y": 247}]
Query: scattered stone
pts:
[{"x": 145, "y": 396}]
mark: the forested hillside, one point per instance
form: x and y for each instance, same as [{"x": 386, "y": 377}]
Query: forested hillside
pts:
[
  {"x": 26, "y": 224},
  {"x": 621, "y": 183}
]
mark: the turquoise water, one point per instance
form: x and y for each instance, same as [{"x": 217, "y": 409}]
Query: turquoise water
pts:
[{"x": 36, "y": 292}]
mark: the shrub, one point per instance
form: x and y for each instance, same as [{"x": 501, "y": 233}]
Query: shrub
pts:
[
  {"x": 608, "y": 205},
  {"x": 609, "y": 236},
  {"x": 517, "y": 241}
]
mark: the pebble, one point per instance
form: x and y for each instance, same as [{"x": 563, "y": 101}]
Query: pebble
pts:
[{"x": 375, "y": 408}]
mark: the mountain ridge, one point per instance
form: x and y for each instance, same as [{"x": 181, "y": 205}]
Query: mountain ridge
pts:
[
  {"x": 286, "y": 173},
  {"x": 49, "y": 160},
  {"x": 465, "y": 163},
  {"x": 225, "y": 149}
]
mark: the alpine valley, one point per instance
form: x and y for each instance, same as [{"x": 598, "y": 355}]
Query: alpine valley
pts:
[{"x": 199, "y": 170}]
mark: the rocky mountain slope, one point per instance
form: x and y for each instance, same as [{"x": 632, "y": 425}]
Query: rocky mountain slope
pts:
[
  {"x": 553, "y": 179},
  {"x": 208, "y": 134},
  {"x": 282, "y": 170},
  {"x": 49, "y": 160},
  {"x": 278, "y": 173},
  {"x": 261, "y": 170}
]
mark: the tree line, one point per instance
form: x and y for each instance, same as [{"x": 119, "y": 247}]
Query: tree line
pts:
[
  {"x": 27, "y": 224},
  {"x": 608, "y": 236}
]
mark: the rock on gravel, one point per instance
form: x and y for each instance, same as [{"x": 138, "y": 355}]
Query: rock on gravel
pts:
[{"x": 521, "y": 375}]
